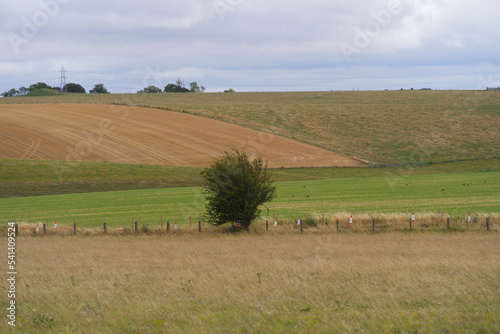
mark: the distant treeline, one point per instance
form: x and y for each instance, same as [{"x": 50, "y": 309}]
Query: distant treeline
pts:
[{"x": 42, "y": 88}]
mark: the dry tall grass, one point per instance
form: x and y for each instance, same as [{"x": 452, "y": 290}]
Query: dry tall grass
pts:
[{"x": 249, "y": 282}]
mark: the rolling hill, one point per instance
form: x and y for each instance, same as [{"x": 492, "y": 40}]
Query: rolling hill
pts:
[{"x": 122, "y": 134}]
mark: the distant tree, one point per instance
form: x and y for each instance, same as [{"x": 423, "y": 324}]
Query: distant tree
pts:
[
  {"x": 150, "y": 89},
  {"x": 235, "y": 188},
  {"x": 10, "y": 93},
  {"x": 99, "y": 89},
  {"x": 23, "y": 91},
  {"x": 179, "y": 82},
  {"x": 39, "y": 85},
  {"x": 194, "y": 88},
  {"x": 230, "y": 90},
  {"x": 175, "y": 88},
  {"x": 74, "y": 88}
]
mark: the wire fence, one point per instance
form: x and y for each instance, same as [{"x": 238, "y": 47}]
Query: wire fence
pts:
[{"x": 275, "y": 225}]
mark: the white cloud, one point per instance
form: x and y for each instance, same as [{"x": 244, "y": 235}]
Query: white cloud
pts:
[{"x": 297, "y": 41}]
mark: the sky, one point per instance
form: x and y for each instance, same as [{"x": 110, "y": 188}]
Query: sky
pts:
[{"x": 252, "y": 45}]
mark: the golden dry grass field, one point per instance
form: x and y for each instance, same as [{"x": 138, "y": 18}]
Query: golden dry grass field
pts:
[
  {"x": 253, "y": 283},
  {"x": 92, "y": 132},
  {"x": 380, "y": 126}
]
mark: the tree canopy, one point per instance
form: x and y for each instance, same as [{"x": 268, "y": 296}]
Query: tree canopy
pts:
[
  {"x": 74, "y": 88},
  {"x": 99, "y": 89},
  {"x": 235, "y": 188},
  {"x": 175, "y": 88},
  {"x": 10, "y": 93},
  {"x": 194, "y": 88},
  {"x": 39, "y": 85},
  {"x": 150, "y": 89}
]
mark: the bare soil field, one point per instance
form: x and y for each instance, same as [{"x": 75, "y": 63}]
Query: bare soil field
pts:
[{"x": 111, "y": 133}]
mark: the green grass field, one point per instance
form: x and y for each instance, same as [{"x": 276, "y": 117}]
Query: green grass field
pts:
[
  {"x": 41, "y": 177},
  {"x": 454, "y": 194},
  {"x": 386, "y": 127},
  {"x": 381, "y": 127}
]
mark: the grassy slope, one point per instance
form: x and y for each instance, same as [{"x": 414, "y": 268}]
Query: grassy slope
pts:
[
  {"x": 474, "y": 192},
  {"x": 384, "y": 127},
  {"x": 42, "y": 177},
  {"x": 39, "y": 177}
]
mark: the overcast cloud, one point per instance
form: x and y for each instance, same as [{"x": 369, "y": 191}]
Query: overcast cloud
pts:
[{"x": 252, "y": 45}]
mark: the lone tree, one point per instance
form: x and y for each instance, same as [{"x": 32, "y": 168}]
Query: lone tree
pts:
[
  {"x": 235, "y": 188},
  {"x": 99, "y": 89},
  {"x": 175, "y": 88},
  {"x": 194, "y": 88},
  {"x": 74, "y": 88}
]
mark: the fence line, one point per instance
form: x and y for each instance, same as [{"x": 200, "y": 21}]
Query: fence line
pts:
[{"x": 311, "y": 224}]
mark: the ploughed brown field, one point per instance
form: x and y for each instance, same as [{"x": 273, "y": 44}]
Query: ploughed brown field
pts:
[{"x": 122, "y": 134}]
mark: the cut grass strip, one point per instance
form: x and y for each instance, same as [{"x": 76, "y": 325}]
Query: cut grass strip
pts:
[{"x": 41, "y": 177}]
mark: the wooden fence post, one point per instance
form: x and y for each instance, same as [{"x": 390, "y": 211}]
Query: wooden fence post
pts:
[
  {"x": 448, "y": 223},
  {"x": 104, "y": 225},
  {"x": 44, "y": 228},
  {"x": 301, "y": 226},
  {"x": 337, "y": 225},
  {"x": 168, "y": 226},
  {"x": 487, "y": 223},
  {"x": 199, "y": 226},
  {"x": 74, "y": 227},
  {"x": 17, "y": 229},
  {"x": 410, "y": 224},
  {"x": 136, "y": 227},
  {"x": 267, "y": 225}
]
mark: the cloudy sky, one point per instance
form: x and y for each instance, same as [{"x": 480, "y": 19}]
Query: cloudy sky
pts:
[{"x": 252, "y": 45}]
